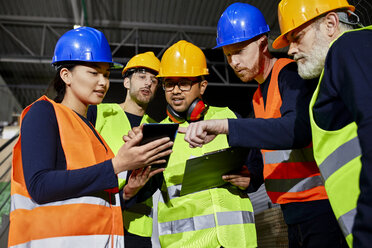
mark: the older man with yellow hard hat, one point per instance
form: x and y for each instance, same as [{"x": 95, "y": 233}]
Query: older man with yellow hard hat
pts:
[{"x": 321, "y": 39}]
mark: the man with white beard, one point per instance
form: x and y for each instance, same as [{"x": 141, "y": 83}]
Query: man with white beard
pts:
[
  {"x": 281, "y": 129},
  {"x": 341, "y": 107}
]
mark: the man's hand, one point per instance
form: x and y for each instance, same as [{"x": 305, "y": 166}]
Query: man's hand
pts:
[
  {"x": 202, "y": 132},
  {"x": 138, "y": 179},
  {"x": 241, "y": 179}
]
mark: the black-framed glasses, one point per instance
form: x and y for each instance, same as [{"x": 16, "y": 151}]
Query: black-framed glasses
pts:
[{"x": 183, "y": 85}]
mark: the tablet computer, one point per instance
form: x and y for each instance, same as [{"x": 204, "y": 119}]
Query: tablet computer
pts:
[
  {"x": 205, "y": 172},
  {"x": 154, "y": 131}
]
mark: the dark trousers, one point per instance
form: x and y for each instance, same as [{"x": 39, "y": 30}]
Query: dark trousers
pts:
[
  {"x": 321, "y": 231},
  {"x": 135, "y": 241}
]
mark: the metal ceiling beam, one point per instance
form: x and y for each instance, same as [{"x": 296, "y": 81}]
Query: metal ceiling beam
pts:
[
  {"x": 35, "y": 20},
  {"x": 48, "y": 60},
  {"x": 17, "y": 40}
]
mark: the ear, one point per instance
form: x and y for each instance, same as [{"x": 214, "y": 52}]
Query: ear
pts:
[
  {"x": 331, "y": 22},
  {"x": 203, "y": 86},
  {"x": 126, "y": 83},
  {"x": 66, "y": 74},
  {"x": 263, "y": 43}
]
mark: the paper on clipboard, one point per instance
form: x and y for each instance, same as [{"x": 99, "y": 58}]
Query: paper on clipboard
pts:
[{"x": 206, "y": 171}]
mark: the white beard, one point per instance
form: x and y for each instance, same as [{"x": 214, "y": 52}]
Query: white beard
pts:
[{"x": 313, "y": 61}]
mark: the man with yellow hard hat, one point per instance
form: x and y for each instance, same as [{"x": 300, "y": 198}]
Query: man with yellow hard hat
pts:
[
  {"x": 217, "y": 217},
  {"x": 321, "y": 39},
  {"x": 113, "y": 121}
]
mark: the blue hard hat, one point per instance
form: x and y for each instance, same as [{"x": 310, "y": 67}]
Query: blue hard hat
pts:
[
  {"x": 240, "y": 22},
  {"x": 84, "y": 44}
]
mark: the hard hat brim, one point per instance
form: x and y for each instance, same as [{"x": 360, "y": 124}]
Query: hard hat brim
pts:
[{"x": 280, "y": 42}]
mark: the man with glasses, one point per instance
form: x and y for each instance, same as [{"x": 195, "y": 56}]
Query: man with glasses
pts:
[
  {"x": 218, "y": 217},
  {"x": 113, "y": 121}
]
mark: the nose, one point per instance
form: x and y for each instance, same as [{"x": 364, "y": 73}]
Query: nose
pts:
[
  {"x": 234, "y": 61},
  {"x": 103, "y": 81},
  {"x": 148, "y": 82},
  {"x": 176, "y": 89},
  {"x": 293, "y": 49}
]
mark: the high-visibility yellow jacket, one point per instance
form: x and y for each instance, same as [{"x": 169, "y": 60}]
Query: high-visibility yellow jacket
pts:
[
  {"x": 338, "y": 155},
  {"x": 216, "y": 217},
  {"x": 112, "y": 123}
]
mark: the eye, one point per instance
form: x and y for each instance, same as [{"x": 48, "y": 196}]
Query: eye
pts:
[
  {"x": 107, "y": 75},
  {"x": 93, "y": 73},
  {"x": 154, "y": 80}
]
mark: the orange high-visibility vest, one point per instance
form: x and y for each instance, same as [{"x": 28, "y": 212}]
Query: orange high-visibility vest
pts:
[
  {"x": 290, "y": 175},
  {"x": 89, "y": 221}
]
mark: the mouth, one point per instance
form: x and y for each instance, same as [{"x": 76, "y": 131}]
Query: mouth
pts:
[
  {"x": 145, "y": 92},
  {"x": 239, "y": 72},
  {"x": 177, "y": 100},
  {"x": 299, "y": 58},
  {"x": 100, "y": 93}
]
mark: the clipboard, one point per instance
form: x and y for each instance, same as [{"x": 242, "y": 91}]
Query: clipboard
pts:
[{"x": 205, "y": 172}]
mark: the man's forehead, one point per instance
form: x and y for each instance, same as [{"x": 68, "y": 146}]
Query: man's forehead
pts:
[
  {"x": 237, "y": 46},
  {"x": 299, "y": 31},
  {"x": 145, "y": 71}
]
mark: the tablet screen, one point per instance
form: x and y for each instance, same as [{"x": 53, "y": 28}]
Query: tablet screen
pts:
[{"x": 154, "y": 131}]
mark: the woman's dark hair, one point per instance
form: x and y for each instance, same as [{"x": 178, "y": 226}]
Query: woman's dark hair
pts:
[{"x": 57, "y": 84}]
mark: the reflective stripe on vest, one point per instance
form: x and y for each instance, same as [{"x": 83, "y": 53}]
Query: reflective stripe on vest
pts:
[
  {"x": 293, "y": 185},
  {"x": 287, "y": 156},
  {"x": 290, "y": 175},
  {"x": 22, "y": 202},
  {"x": 346, "y": 221},
  {"x": 205, "y": 221},
  {"x": 174, "y": 191},
  {"x": 76, "y": 241},
  {"x": 341, "y": 156}
]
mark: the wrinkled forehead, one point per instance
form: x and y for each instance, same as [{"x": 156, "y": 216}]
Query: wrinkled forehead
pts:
[{"x": 301, "y": 30}]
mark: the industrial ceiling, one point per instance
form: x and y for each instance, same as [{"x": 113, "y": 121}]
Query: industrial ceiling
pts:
[{"x": 29, "y": 31}]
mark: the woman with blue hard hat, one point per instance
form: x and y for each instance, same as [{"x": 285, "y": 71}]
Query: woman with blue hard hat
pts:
[{"x": 64, "y": 188}]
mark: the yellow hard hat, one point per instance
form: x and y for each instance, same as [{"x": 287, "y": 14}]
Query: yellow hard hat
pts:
[
  {"x": 144, "y": 60},
  {"x": 294, "y": 13},
  {"x": 183, "y": 59}
]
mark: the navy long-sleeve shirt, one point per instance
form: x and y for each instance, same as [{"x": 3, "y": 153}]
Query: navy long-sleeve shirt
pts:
[
  {"x": 345, "y": 96},
  {"x": 44, "y": 162},
  {"x": 290, "y": 131}
]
